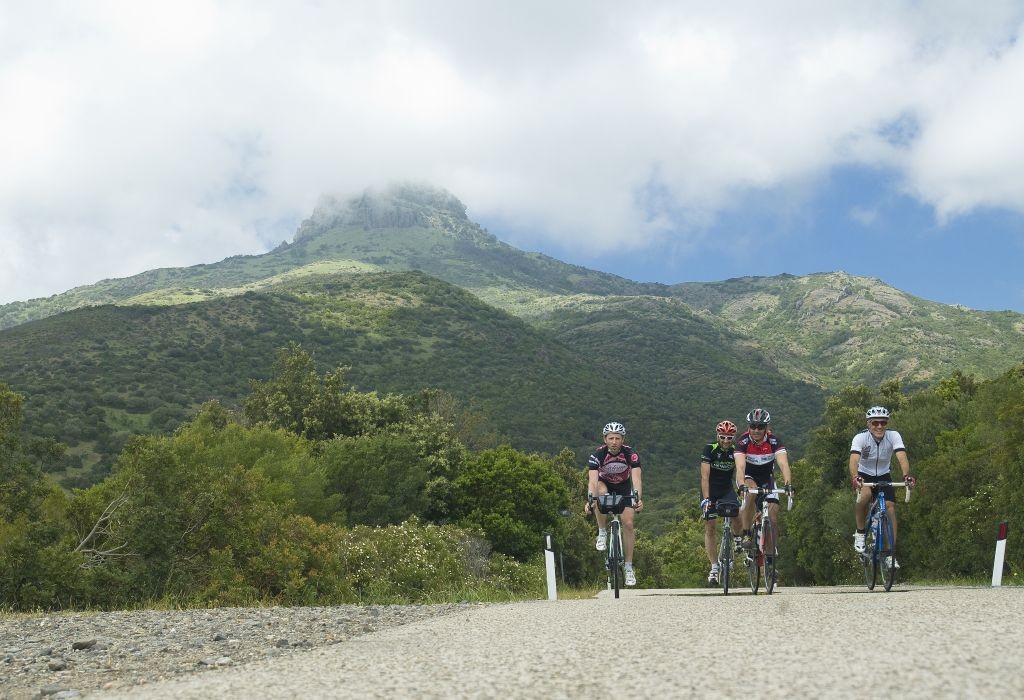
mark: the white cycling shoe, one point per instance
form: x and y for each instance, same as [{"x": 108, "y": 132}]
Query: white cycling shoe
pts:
[
  {"x": 858, "y": 542},
  {"x": 602, "y": 542},
  {"x": 892, "y": 563},
  {"x": 630, "y": 577}
]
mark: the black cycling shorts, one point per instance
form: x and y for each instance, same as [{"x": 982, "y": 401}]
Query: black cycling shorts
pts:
[
  {"x": 623, "y": 488},
  {"x": 889, "y": 491},
  {"x": 724, "y": 493},
  {"x": 765, "y": 481}
]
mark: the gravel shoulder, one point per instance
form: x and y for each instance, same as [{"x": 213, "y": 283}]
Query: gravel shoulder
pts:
[{"x": 63, "y": 655}]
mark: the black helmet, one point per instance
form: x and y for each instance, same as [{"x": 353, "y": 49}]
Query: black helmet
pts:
[{"x": 759, "y": 415}]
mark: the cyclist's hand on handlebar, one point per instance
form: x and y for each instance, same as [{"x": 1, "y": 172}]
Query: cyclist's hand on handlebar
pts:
[
  {"x": 705, "y": 505},
  {"x": 789, "y": 489},
  {"x": 910, "y": 481},
  {"x": 857, "y": 483}
]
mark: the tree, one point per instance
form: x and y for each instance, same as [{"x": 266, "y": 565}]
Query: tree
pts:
[
  {"x": 300, "y": 400},
  {"x": 37, "y": 568},
  {"x": 514, "y": 498}
]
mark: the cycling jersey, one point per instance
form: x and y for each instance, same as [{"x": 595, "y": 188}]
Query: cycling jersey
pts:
[
  {"x": 723, "y": 466},
  {"x": 760, "y": 457},
  {"x": 614, "y": 469},
  {"x": 876, "y": 455}
]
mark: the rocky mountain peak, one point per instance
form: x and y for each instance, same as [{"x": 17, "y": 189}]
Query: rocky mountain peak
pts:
[{"x": 403, "y": 205}]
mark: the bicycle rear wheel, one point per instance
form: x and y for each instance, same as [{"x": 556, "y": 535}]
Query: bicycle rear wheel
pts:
[
  {"x": 753, "y": 566},
  {"x": 887, "y": 554},
  {"x": 770, "y": 552},
  {"x": 615, "y": 556},
  {"x": 725, "y": 558}
]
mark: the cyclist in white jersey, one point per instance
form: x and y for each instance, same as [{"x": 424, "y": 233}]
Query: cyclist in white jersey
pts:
[{"x": 871, "y": 455}]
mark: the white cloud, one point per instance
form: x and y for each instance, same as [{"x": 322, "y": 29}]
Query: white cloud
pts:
[{"x": 136, "y": 135}]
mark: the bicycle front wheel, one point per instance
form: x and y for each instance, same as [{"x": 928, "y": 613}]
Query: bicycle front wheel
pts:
[
  {"x": 615, "y": 556},
  {"x": 887, "y": 554},
  {"x": 753, "y": 566},
  {"x": 725, "y": 559},
  {"x": 868, "y": 557},
  {"x": 769, "y": 550}
]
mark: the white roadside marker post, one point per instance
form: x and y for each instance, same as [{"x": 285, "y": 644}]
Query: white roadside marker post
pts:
[
  {"x": 997, "y": 565},
  {"x": 549, "y": 564}
]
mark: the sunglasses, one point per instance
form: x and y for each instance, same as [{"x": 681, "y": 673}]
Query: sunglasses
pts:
[
  {"x": 726, "y": 437},
  {"x": 878, "y": 423},
  {"x": 758, "y": 426}
]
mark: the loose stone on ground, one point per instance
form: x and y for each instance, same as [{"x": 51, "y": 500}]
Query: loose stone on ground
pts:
[{"x": 65, "y": 655}]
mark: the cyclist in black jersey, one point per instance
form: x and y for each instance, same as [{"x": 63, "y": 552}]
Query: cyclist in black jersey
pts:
[
  {"x": 615, "y": 468},
  {"x": 717, "y": 473}
]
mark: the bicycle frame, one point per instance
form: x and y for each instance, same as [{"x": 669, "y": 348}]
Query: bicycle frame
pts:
[
  {"x": 763, "y": 530},
  {"x": 612, "y": 504},
  {"x": 725, "y": 553},
  {"x": 880, "y": 542}
]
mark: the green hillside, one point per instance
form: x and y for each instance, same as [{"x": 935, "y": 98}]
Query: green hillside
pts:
[
  {"x": 835, "y": 329},
  {"x": 96, "y": 376}
]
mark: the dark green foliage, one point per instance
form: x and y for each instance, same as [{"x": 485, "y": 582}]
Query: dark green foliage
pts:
[
  {"x": 38, "y": 564},
  {"x": 513, "y": 498}
]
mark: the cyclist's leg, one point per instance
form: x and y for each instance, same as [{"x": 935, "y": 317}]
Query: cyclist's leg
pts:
[
  {"x": 710, "y": 540},
  {"x": 747, "y": 506},
  {"x": 860, "y": 509},
  {"x": 890, "y": 508},
  {"x": 628, "y": 534},
  {"x": 602, "y": 519}
]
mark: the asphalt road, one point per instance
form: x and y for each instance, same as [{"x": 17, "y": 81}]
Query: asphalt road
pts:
[{"x": 799, "y": 642}]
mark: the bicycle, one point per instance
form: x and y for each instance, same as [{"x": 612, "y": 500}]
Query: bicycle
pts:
[
  {"x": 765, "y": 541},
  {"x": 727, "y": 511},
  {"x": 613, "y": 504},
  {"x": 880, "y": 543}
]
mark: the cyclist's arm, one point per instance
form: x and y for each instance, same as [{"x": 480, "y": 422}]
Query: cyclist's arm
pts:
[
  {"x": 904, "y": 461},
  {"x": 705, "y": 479},
  {"x": 782, "y": 458},
  {"x": 741, "y": 467},
  {"x": 592, "y": 481},
  {"x": 638, "y": 482},
  {"x": 854, "y": 463}
]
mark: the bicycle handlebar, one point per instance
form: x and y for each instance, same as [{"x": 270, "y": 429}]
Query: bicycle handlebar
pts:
[
  {"x": 883, "y": 484},
  {"x": 761, "y": 491}
]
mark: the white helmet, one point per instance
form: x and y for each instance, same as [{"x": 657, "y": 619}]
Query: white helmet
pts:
[
  {"x": 877, "y": 412},
  {"x": 614, "y": 428}
]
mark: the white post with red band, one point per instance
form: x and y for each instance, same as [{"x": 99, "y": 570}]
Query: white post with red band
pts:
[
  {"x": 997, "y": 565},
  {"x": 549, "y": 564}
]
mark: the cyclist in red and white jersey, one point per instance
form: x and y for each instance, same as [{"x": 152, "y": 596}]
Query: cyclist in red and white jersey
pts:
[
  {"x": 615, "y": 468},
  {"x": 871, "y": 456},
  {"x": 757, "y": 452}
]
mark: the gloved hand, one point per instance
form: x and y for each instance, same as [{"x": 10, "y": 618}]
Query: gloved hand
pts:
[
  {"x": 910, "y": 481},
  {"x": 705, "y": 505},
  {"x": 789, "y": 489},
  {"x": 857, "y": 483}
]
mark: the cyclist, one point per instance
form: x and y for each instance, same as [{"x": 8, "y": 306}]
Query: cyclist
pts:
[
  {"x": 612, "y": 469},
  {"x": 757, "y": 452},
  {"x": 717, "y": 465},
  {"x": 871, "y": 456}
]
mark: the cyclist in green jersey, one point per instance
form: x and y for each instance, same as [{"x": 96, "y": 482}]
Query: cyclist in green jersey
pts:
[{"x": 717, "y": 473}]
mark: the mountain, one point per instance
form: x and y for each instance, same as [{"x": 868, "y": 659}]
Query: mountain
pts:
[
  {"x": 404, "y": 228},
  {"x": 834, "y": 329},
  {"x": 404, "y": 288}
]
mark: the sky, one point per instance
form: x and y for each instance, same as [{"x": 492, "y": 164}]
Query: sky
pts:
[{"x": 663, "y": 141}]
